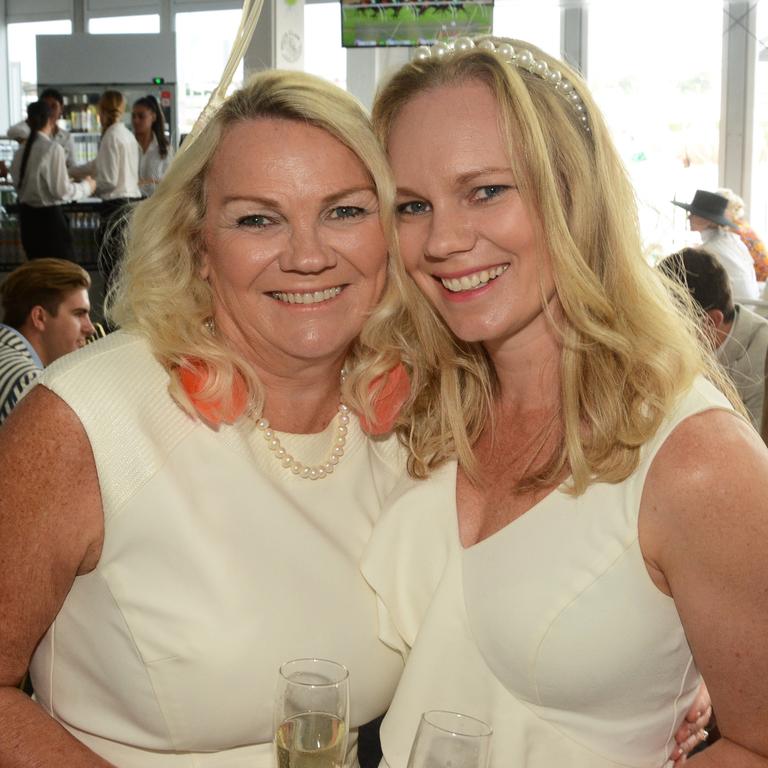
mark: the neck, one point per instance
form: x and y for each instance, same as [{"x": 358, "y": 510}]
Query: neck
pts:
[
  {"x": 36, "y": 342},
  {"x": 144, "y": 139},
  {"x": 527, "y": 367}
]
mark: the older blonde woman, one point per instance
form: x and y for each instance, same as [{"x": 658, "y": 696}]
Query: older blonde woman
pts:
[
  {"x": 161, "y": 557},
  {"x": 591, "y": 537}
]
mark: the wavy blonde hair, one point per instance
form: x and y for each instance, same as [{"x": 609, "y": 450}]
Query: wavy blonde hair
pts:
[
  {"x": 159, "y": 292},
  {"x": 628, "y": 351}
]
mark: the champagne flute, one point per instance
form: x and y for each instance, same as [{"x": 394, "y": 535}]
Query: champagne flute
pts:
[
  {"x": 311, "y": 714},
  {"x": 450, "y": 740}
]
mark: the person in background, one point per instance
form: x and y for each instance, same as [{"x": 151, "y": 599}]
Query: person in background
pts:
[
  {"x": 739, "y": 336},
  {"x": 149, "y": 129},
  {"x": 584, "y": 535},
  {"x": 707, "y": 216},
  {"x": 46, "y": 314},
  {"x": 42, "y": 182},
  {"x": 737, "y": 215},
  {"x": 53, "y": 98},
  {"x": 116, "y": 168}
]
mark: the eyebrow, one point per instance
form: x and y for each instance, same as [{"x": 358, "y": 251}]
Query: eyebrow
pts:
[{"x": 271, "y": 203}]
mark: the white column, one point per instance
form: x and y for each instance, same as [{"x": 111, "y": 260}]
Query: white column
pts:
[
  {"x": 738, "y": 90},
  {"x": 278, "y": 40},
  {"x": 367, "y": 68},
  {"x": 573, "y": 35},
  {"x": 5, "y": 91}
]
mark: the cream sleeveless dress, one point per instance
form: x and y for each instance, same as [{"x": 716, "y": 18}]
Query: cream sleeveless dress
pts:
[
  {"x": 550, "y": 630},
  {"x": 217, "y": 566}
]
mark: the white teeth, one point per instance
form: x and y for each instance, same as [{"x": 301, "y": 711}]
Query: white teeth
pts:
[
  {"x": 470, "y": 282},
  {"x": 314, "y": 297}
]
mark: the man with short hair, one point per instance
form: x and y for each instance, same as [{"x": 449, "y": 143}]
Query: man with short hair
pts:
[
  {"x": 739, "y": 336},
  {"x": 54, "y": 99},
  {"x": 46, "y": 314}
]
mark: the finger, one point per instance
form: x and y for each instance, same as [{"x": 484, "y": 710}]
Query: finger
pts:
[{"x": 701, "y": 722}]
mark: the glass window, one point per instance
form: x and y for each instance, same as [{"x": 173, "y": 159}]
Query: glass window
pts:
[
  {"x": 125, "y": 25},
  {"x": 323, "y": 54},
  {"x": 210, "y": 32},
  {"x": 654, "y": 69},
  {"x": 22, "y": 50},
  {"x": 758, "y": 212},
  {"x": 535, "y": 21}
]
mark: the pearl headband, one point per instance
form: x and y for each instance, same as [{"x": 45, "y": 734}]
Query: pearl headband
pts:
[{"x": 520, "y": 57}]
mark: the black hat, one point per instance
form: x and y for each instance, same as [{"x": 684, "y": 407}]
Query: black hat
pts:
[{"x": 709, "y": 206}]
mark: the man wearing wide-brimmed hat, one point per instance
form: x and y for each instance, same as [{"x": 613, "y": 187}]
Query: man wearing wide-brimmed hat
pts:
[{"x": 706, "y": 215}]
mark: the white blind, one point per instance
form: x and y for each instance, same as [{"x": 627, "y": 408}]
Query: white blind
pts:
[
  {"x": 37, "y": 10},
  {"x": 206, "y": 5}
]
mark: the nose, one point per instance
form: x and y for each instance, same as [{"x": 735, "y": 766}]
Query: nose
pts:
[
  {"x": 87, "y": 326},
  {"x": 450, "y": 232},
  {"x": 307, "y": 251}
]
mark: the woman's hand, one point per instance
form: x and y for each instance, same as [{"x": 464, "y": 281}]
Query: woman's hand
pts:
[{"x": 692, "y": 731}]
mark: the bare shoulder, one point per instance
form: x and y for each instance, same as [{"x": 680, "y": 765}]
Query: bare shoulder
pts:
[
  {"x": 49, "y": 475},
  {"x": 712, "y": 455}
]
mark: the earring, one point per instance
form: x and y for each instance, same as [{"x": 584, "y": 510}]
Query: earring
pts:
[{"x": 210, "y": 325}]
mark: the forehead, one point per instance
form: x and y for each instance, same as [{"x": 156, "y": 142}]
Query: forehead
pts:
[
  {"x": 76, "y": 299},
  {"x": 270, "y": 152},
  {"x": 449, "y": 125}
]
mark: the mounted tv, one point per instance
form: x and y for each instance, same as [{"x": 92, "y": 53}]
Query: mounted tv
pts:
[{"x": 415, "y": 22}]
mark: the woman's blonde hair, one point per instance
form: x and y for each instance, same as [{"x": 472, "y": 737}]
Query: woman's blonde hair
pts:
[
  {"x": 159, "y": 291},
  {"x": 628, "y": 351},
  {"x": 112, "y": 107}
]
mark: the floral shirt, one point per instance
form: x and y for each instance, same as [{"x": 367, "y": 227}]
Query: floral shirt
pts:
[{"x": 756, "y": 248}]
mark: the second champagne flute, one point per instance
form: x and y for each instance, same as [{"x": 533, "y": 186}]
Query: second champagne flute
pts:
[
  {"x": 312, "y": 714},
  {"x": 450, "y": 740}
]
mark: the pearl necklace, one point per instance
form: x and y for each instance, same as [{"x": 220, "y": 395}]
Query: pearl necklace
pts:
[{"x": 306, "y": 471}]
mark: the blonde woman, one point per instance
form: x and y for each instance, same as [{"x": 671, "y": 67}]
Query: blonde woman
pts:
[
  {"x": 590, "y": 537},
  {"x": 190, "y": 497}
]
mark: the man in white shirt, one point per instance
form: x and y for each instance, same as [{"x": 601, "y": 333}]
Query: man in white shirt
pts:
[
  {"x": 706, "y": 215},
  {"x": 54, "y": 99}
]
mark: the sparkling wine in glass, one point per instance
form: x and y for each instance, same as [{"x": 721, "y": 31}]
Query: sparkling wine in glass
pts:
[
  {"x": 311, "y": 714},
  {"x": 450, "y": 740}
]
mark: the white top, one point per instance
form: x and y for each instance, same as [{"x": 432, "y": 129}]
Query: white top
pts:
[
  {"x": 735, "y": 258},
  {"x": 218, "y": 565},
  {"x": 116, "y": 167},
  {"x": 153, "y": 167},
  {"x": 46, "y": 179},
  {"x": 551, "y": 630},
  {"x": 20, "y": 132}
]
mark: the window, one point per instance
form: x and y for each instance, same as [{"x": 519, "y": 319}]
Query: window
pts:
[
  {"x": 323, "y": 54},
  {"x": 757, "y": 214},
  {"x": 203, "y": 42},
  {"x": 22, "y": 49},
  {"x": 125, "y": 25},
  {"x": 654, "y": 69},
  {"x": 535, "y": 21}
]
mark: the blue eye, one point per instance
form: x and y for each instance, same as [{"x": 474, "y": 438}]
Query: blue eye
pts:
[
  {"x": 490, "y": 191},
  {"x": 413, "y": 208},
  {"x": 256, "y": 221},
  {"x": 347, "y": 212}
]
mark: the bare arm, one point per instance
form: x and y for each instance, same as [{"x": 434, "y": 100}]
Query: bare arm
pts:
[
  {"x": 704, "y": 535},
  {"x": 52, "y": 530}
]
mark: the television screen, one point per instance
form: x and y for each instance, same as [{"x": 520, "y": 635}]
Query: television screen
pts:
[{"x": 415, "y": 22}]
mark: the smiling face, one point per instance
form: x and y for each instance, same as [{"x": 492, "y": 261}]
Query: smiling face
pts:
[
  {"x": 293, "y": 246},
  {"x": 466, "y": 237}
]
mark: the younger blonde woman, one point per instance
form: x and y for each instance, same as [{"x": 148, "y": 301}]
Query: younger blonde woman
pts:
[{"x": 592, "y": 537}]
